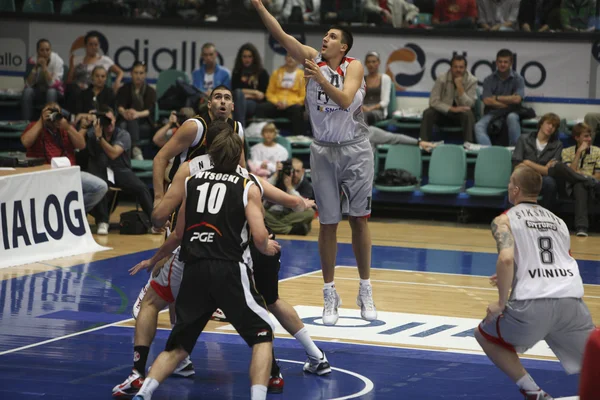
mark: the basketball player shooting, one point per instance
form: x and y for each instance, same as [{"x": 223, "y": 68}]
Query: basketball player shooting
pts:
[{"x": 341, "y": 159}]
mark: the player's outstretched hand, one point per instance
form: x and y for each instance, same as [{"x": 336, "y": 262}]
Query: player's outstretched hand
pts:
[
  {"x": 272, "y": 248},
  {"x": 146, "y": 264},
  {"x": 256, "y": 3},
  {"x": 494, "y": 280}
]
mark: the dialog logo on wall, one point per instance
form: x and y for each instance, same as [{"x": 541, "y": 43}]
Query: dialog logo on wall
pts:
[
  {"x": 13, "y": 55},
  {"x": 406, "y": 66}
]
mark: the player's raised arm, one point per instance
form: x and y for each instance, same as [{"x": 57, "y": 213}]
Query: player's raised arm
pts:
[
  {"x": 293, "y": 46},
  {"x": 173, "y": 198},
  {"x": 352, "y": 81}
]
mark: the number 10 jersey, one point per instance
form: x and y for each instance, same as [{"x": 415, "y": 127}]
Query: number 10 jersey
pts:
[
  {"x": 544, "y": 267},
  {"x": 215, "y": 217}
]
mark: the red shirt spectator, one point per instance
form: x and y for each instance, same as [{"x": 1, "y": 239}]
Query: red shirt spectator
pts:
[
  {"x": 454, "y": 10},
  {"x": 46, "y": 139}
]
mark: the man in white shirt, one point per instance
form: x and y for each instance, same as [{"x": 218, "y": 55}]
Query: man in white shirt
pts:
[{"x": 545, "y": 302}]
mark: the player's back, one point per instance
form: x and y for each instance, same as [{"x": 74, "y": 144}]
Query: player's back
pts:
[
  {"x": 544, "y": 267},
  {"x": 331, "y": 122},
  {"x": 216, "y": 225}
]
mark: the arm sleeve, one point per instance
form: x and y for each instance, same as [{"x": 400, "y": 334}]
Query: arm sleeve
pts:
[
  {"x": 520, "y": 87},
  {"x": 435, "y": 98},
  {"x": 386, "y": 87}
]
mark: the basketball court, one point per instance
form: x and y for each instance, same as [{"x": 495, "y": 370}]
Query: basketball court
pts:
[{"x": 66, "y": 330}]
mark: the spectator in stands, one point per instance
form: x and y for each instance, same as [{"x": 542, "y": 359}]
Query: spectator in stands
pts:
[
  {"x": 398, "y": 13},
  {"x": 541, "y": 151},
  {"x": 176, "y": 119},
  {"x": 503, "y": 92},
  {"x": 575, "y": 15},
  {"x": 336, "y": 11},
  {"x": 459, "y": 14},
  {"x": 80, "y": 70},
  {"x": 109, "y": 147},
  {"x": 452, "y": 99},
  {"x": 540, "y": 16},
  {"x": 136, "y": 102},
  {"x": 210, "y": 74},
  {"x": 265, "y": 158},
  {"x": 284, "y": 220},
  {"x": 584, "y": 159},
  {"x": 43, "y": 79},
  {"x": 308, "y": 11},
  {"x": 593, "y": 121},
  {"x": 285, "y": 96},
  {"x": 379, "y": 86},
  {"x": 249, "y": 82},
  {"x": 498, "y": 15},
  {"x": 52, "y": 136},
  {"x": 96, "y": 94}
]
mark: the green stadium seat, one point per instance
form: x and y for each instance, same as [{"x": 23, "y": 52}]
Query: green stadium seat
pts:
[
  {"x": 402, "y": 156},
  {"x": 447, "y": 170},
  {"x": 492, "y": 172}
]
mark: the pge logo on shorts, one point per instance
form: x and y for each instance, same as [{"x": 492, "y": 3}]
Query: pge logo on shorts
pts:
[
  {"x": 406, "y": 66},
  {"x": 203, "y": 237},
  {"x": 262, "y": 333}
]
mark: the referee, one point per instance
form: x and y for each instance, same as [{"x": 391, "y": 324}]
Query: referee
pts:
[{"x": 213, "y": 231}]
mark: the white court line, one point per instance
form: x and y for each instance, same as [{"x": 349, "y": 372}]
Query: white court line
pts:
[
  {"x": 368, "y": 383},
  {"x": 70, "y": 335}
]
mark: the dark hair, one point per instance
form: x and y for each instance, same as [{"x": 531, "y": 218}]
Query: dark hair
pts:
[
  {"x": 207, "y": 45},
  {"x": 106, "y": 109},
  {"x": 138, "y": 64},
  {"x": 256, "y": 67},
  {"x": 225, "y": 149},
  {"x": 528, "y": 180},
  {"x": 39, "y": 42},
  {"x": 458, "y": 57},
  {"x": 504, "y": 53},
  {"x": 220, "y": 87},
  {"x": 214, "y": 128},
  {"x": 580, "y": 128},
  {"x": 347, "y": 37},
  {"x": 90, "y": 35}
]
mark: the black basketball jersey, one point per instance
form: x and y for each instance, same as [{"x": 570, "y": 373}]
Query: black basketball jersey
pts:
[
  {"x": 198, "y": 147},
  {"x": 215, "y": 217}
]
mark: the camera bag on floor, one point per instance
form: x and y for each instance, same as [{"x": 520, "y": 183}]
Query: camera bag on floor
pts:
[{"x": 134, "y": 222}]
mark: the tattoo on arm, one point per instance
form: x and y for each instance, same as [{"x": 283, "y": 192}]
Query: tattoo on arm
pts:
[{"x": 502, "y": 235}]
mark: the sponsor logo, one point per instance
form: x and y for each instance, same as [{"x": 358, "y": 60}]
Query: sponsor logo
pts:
[
  {"x": 57, "y": 214},
  {"x": 204, "y": 237},
  {"x": 136, "y": 356},
  {"x": 12, "y": 54},
  {"x": 206, "y": 224},
  {"x": 262, "y": 333},
  {"x": 541, "y": 226},
  {"x": 406, "y": 66}
]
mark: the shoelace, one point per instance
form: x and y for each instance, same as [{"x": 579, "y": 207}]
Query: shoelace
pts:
[
  {"x": 366, "y": 296},
  {"x": 330, "y": 300}
]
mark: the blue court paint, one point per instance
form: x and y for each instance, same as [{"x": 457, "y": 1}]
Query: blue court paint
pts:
[
  {"x": 401, "y": 328},
  {"x": 61, "y": 302},
  {"x": 433, "y": 331}
]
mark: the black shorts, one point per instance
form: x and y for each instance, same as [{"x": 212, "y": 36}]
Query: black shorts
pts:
[
  {"x": 266, "y": 274},
  {"x": 211, "y": 284}
]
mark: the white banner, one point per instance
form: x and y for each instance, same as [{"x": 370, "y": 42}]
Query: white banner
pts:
[
  {"x": 413, "y": 63},
  {"x": 42, "y": 217}
]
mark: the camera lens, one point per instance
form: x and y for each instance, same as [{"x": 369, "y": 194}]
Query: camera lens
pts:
[{"x": 56, "y": 116}]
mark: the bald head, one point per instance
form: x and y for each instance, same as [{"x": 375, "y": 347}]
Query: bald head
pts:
[{"x": 528, "y": 180}]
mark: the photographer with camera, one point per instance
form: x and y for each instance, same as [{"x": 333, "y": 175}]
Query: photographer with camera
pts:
[
  {"x": 176, "y": 119},
  {"x": 291, "y": 179},
  {"x": 43, "y": 79},
  {"x": 52, "y": 136},
  {"x": 109, "y": 148}
]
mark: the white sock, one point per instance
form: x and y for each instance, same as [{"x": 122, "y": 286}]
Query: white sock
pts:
[
  {"x": 149, "y": 386},
  {"x": 330, "y": 285},
  {"x": 310, "y": 347},
  {"x": 365, "y": 282},
  {"x": 527, "y": 384},
  {"x": 258, "y": 392}
]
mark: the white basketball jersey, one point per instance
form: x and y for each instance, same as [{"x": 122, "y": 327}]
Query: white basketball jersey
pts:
[
  {"x": 330, "y": 122},
  {"x": 544, "y": 267}
]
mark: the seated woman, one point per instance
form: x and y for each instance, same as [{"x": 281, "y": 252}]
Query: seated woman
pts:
[
  {"x": 80, "y": 70},
  {"x": 96, "y": 95},
  {"x": 135, "y": 104},
  {"x": 285, "y": 96},
  {"x": 43, "y": 80},
  {"x": 377, "y": 98},
  {"x": 266, "y": 157},
  {"x": 249, "y": 82}
]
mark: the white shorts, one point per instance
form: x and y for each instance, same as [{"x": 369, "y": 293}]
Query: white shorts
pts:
[{"x": 168, "y": 281}]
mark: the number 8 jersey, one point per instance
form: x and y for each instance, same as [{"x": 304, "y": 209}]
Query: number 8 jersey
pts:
[
  {"x": 215, "y": 217},
  {"x": 544, "y": 267}
]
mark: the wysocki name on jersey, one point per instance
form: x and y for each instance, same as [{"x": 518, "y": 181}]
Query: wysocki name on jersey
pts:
[{"x": 217, "y": 176}]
